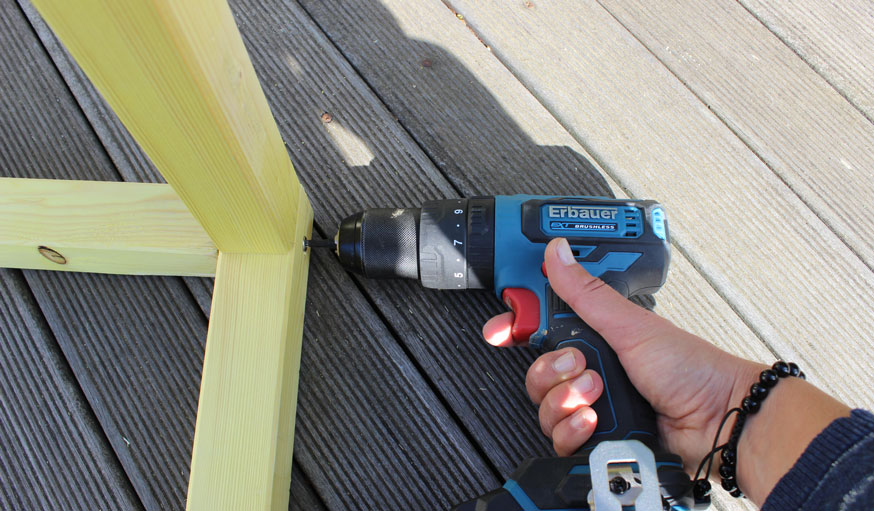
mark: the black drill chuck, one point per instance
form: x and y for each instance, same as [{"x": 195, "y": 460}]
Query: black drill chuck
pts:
[
  {"x": 381, "y": 243},
  {"x": 446, "y": 244}
]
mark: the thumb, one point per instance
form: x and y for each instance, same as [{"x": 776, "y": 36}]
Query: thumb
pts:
[{"x": 622, "y": 323}]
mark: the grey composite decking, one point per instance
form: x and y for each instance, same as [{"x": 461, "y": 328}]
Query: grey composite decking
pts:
[{"x": 401, "y": 405}]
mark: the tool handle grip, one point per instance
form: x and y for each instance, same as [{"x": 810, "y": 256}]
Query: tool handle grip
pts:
[{"x": 622, "y": 412}]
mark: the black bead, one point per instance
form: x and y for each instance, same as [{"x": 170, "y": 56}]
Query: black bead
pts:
[
  {"x": 794, "y": 370},
  {"x": 750, "y": 404},
  {"x": 736, "y": 493},
  {"x": 768, "y": 378},
  {"x": 759, "y": 391},
  {"x": 729, "y": 483},
  {"x": 802, "y": 375},
  {"x": 781, "y": 368},
  {"x": 733, "y": 440},
  {"x": 728, "y": 456},
  {"x": 726, "y": 471},
  {"x": 701, "y": 489}
]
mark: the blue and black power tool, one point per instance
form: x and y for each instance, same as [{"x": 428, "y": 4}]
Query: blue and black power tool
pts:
[{"x": 498, "y": 242}]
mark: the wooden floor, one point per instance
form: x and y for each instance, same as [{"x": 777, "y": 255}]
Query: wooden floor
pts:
[{"x": 752, "y": 121}]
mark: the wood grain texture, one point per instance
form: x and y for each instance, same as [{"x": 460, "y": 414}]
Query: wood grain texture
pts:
[
  {"x": 778, "y": 265},
  {"x": 834, "y": 38},
  {"x": 65, "y": 463},
  {"x": 800, "y": 126},
  {"x": 129, "y": 160},
  {"x": 195, "y": 105},
  {"x": 100, "y": 227},
  {"x": 248, "y": 393}
]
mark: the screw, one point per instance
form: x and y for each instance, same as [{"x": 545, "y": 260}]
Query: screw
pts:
[
  {"x": 619, "y": 485},
  {"x": 327, "y": 117}
]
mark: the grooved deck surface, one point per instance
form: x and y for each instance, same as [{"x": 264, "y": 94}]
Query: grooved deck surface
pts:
[{"x": 751, "y": 122}]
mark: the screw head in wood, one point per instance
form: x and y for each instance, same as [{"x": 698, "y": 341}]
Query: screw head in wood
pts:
[{"x": 52, "y": 255}]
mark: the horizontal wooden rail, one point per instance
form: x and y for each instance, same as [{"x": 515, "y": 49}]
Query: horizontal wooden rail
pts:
[{"x": 92, "y": 226}]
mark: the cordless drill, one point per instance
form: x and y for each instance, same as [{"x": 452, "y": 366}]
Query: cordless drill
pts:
[{"x": 498, "y": 242}]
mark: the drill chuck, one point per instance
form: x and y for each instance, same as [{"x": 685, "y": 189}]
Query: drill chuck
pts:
[
  {"x": 446, "y": 244},
  {"x": 381, "y": 243}
]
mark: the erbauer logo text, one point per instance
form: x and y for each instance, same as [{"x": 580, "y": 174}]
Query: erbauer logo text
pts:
[{"x": 583, "y": 212}]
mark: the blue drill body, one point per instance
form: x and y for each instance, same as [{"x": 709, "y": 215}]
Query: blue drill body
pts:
[
  {"x": 498, "y": 243},
  {"x": 626, "y": 242}
]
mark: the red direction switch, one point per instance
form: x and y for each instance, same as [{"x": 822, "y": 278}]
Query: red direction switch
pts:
[{"x": 526, "y": 308}]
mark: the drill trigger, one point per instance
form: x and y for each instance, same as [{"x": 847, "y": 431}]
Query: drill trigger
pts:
[{"x": 526, "y": 308}]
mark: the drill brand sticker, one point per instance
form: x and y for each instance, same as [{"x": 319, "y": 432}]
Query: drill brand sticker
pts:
[
  {"x": 590, "y": 220},
  {"x": 581, "y": 212}
]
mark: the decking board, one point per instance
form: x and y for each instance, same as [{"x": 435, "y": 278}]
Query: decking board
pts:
[
  {"x": 794, "y": 120},
  {"x": 136, "y": 344},
  {"x": 65, "y": 462},
  {"x": 834, "y": 38},
  {"x": 33, "y": 101},
  {"x": 369, "y": 433}
]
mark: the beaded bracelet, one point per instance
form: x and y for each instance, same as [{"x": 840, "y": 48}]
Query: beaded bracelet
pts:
[{"x": 728, "y": 451}]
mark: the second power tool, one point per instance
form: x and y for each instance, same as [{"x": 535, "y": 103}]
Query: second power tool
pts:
[{"x": 498, "y": 243}]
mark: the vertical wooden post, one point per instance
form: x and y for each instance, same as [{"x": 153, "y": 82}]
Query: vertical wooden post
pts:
[
  {"x": 178, "y": 76},
  {"x": 245, "y": 417}
]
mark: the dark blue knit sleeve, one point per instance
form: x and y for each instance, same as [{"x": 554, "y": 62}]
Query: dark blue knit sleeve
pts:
[{"x": 836, "y": 471}]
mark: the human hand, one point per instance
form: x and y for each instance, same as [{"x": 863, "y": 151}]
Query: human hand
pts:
[{"x": 689, "y": 382}]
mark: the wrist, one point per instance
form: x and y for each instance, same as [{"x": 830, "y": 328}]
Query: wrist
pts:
[
  {"x": 773, "y": 434},
  {"x": 746, "y": 373}
]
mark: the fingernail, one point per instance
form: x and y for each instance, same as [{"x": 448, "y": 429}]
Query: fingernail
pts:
[
  {"x": 584, "y": 383},
  {"x": 583, "y": 418},
  {"x": 564, "y": 252},
  {"x": 565, "y": 363}
]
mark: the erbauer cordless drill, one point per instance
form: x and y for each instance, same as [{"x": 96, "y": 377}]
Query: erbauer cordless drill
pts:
[{"x": 498, "y": 242}]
